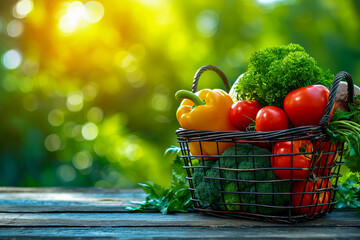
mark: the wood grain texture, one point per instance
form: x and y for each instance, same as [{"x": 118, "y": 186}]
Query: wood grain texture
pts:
[
  {"x": 181, "y": 233},
  {"x": 147, "y": 219},
  {"x": 97, "y": 213},
  {"x": 68, "y": 200}
]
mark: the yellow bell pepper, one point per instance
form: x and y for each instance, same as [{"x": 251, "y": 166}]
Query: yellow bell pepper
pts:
[{"x": 205, "y": 110}]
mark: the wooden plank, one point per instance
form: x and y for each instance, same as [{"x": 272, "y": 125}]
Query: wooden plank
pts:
[
  {"x": 181, "y": 233},
  {"x": 67, "y": 200},
  {"x": 66, "y": 190},
  {"x": 337, "y": 219}
]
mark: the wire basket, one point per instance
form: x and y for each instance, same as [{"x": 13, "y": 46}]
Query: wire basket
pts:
[{"x": 243, "y": 182}]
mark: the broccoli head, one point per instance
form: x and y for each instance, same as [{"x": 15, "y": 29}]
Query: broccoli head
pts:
[
  {"x": 246, "y": 162},
  {"x": 206, "y": 190},
  {"x": 267, "y": 194},
  {"x": 275, "y": 71},
  {"x": 249, "y": 187}
]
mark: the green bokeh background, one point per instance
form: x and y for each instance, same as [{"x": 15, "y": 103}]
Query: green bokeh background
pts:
[{"x": 95, "y": 106}]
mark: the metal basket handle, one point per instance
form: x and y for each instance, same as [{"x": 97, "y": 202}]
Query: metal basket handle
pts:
[
  {"x": 213, "y": 68},
  {"x": 325, "y": 120}
]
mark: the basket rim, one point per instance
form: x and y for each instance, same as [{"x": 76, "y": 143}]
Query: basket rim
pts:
[{"x": 298, "y": 133}]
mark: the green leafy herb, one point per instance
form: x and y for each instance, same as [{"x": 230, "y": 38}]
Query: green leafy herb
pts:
[
  {"x": 348, "y": 195},
  {"x": 173, "y": 199},
  {"x": 275, "y": 71},
  {"x": 345, "y": 126}
]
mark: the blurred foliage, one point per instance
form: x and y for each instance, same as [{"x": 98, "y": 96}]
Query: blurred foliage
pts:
[
  {"x": 86, "y": 88},
  {"x": 348, "y": 195}
]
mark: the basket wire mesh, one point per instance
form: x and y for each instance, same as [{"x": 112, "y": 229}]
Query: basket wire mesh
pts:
[{"x": 255, "y": 191}]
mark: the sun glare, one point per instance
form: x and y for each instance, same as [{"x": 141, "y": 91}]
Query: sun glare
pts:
[
  {"x": 22, "y": 8},
  {"x": 80, "y": 14}
]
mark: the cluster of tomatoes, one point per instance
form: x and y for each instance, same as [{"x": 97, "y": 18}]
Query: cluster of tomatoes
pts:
[
  {"x": 294, "y": 159},
  {"x": 302, "y": 107}
]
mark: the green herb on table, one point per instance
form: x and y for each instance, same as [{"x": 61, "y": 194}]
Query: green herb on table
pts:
[{"x": 173, "y": 199}]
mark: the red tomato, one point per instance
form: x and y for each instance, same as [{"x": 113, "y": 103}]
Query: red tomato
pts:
[
  {"x": 271, "y": 118},
  {"x": 328, "y": 155},
  {"x": 291, "y": 160},
  {"x": 243, "y": 113},
  {"x": 306, "y": 106},
  {"x": 307, "y": 196}
]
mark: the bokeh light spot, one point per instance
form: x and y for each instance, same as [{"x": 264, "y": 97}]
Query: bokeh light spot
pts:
[
  {"x": 136, "y": 79},
  {"x": 67, "y": 25},
  {"x": 268, "y": 1},
  {"x": 15, "y": 28},
  {"x": 69, "y": 22},
  {"x": 90, "y": 92},
  {"x": 52, "y": 142},
  {"x": 82, "y": 160},
  {"x": 11, "y": 59},
  {"x": 94, "y": 11},
  {"x": 76, "y": 132},
  {"x": 130, "y": 149},
  {"x": 22, "y": 8},
  {"x": 207, "y": 22},
  {"x": 66, "y": 172},
  {"x": 95, "y": 114},
  {"x": 160, "y": 102},
  {"x": 127, "y": 60},
  {"x": 56, "y": 117},
  {"x": 75, "y": 102},
  {"x": 89, "y": 131},
  {"x": 75, "y": 10}
]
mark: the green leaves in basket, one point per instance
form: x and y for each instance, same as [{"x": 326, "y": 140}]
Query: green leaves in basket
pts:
[
  {"x": 345, "y": 127},
  {"x": 172, "y": 150},
  {"x": 173, "y": 199},
  {"x": 348, "y": 195}
]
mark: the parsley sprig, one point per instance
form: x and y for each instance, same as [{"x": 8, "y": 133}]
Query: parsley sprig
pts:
[{"x": 173, "y": 199}]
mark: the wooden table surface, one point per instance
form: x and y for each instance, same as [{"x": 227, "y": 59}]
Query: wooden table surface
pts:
[{"x": 97, "y": 213}]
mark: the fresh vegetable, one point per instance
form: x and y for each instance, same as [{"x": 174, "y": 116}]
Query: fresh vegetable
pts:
[
  {"x": 306, "y": 106},
  {"x": 345, "y": 127},
  {"x": 243, "y": 113},
  {"x": 241, "y": 186},
  {"x": 306, "y": 193},
  {"x": 205, "y": 110},
  {"x": 271, "y": 194},
  {"x": 173, "y": 199},
  {"x": 326, "y": 159},
  {"x": 297, "y": 154},
  {"x": 206, "y": 190},
  {"x": 256, "y": 179},
  {"x": 246, "y": 163},
  {"x": 271, "y": 118},
  {"x": 348, "y": 194},
  {"x": 275, "y": 71}
]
